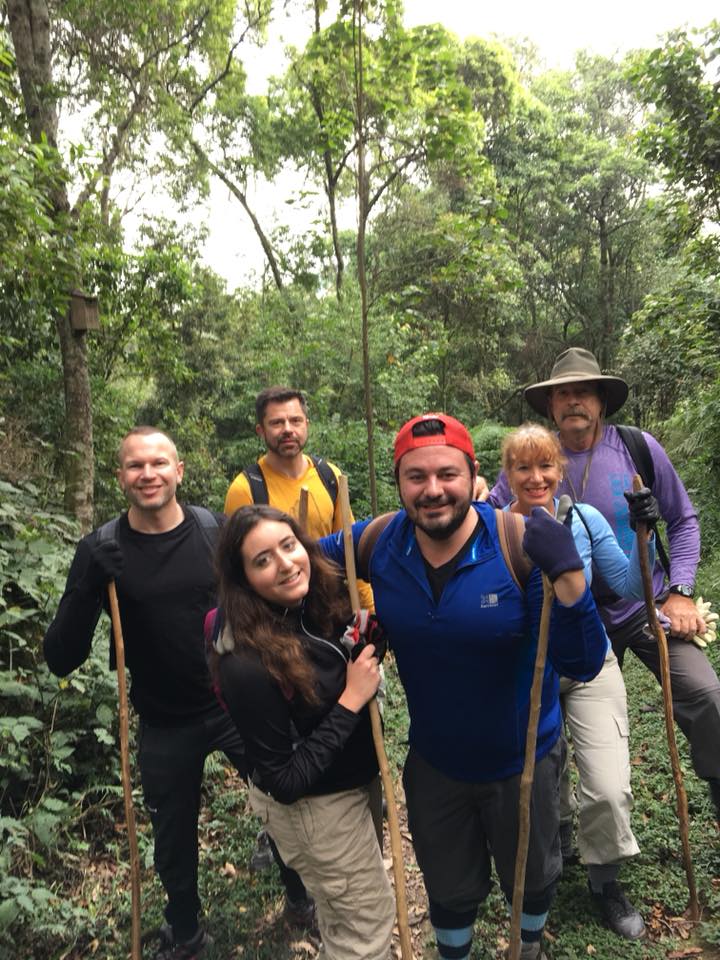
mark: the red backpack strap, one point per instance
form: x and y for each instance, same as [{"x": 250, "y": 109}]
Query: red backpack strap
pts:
[
  {"x": 367, "y": 541},
  {"x": 511, "y": 529}
]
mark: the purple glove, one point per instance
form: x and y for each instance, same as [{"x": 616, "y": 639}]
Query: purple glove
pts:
[{"x": 551, "y": 545}]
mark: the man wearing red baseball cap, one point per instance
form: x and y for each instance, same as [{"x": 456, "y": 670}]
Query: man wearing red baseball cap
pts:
[{"x": 464, "y": 633}]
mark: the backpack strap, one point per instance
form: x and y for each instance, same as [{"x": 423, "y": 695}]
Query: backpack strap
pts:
[
  {"x": 367, "y": 541},
  {"x": 578, "y": 511},
  {"x": 511, "y": 529},
  {"x": 637, "y": 447},
  {"x": 256, "y": 481},
  {"x": 327, "y": 475},
  {"x": 208, "y": 523},
  {"x": 108, "y": 531},
  {"x": 510, "y": 526}
]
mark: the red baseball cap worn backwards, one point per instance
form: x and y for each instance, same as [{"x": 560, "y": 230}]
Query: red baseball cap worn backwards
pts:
[{"x": 454, "y": 435}]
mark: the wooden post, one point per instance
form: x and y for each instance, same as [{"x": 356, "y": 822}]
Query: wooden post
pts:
[
  {"x": 654, "y": 623},
  {"x": 385, "y": 775},
  {"x": 125, "y": 770}
]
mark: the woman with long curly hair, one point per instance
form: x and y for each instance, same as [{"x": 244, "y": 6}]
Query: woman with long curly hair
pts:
[{"x": 300, "y": 703}]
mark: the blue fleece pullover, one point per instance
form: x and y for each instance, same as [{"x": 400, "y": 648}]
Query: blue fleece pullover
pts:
[{"x": 466, "y": 662}]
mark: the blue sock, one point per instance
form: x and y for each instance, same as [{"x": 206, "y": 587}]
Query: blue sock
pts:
[{"x": 453, "y": 931}]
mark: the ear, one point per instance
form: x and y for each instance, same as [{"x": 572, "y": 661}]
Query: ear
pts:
[
  {"x": 259, "y": 431},
  {"x": 118, "y": 475},
  {"x": 180, "y": 471}
]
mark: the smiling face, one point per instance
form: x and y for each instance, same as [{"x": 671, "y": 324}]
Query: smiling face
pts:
[
  {"x": 149, "y": 471},
  {"x": 284, "y": 428},
  {"x": 436, "y": 485},
  {"x": 276, "y": 564},
  {"x": 534, "y": 480}
]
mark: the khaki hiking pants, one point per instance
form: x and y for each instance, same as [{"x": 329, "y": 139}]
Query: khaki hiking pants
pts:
[{"x": 331, "y": 842}]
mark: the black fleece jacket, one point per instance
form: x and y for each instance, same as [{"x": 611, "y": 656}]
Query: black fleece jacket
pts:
[
  {"x": 166, "y": 587},
  {"x": 295, "y": 750}
]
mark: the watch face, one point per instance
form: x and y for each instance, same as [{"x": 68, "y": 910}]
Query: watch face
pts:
[{"x": 683, "y": 589}]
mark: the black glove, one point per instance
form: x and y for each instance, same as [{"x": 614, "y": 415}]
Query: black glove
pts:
[
  {"x": 106, "y": 563},
  {"x": 551, "y": 545},
  {"x": 643, "y": 508},
  {"x": 365, "y": 628}
]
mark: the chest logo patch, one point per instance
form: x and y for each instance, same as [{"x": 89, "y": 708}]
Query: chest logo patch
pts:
[{"x": 488, "y": 600}]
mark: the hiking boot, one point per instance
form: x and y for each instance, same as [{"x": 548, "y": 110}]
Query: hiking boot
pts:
[
  {"x": 570, "y": 855},
  {"x": 529, "y": 951},
  {"x": 262, "y": 856},
  {"x": 187, "y": 950},
  {"x": 300, "y": 914},
  {"x": 618, "y": 913}
]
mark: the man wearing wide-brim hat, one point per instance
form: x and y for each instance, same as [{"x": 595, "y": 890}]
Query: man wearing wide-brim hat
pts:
[{"x": 577, "y": 397}]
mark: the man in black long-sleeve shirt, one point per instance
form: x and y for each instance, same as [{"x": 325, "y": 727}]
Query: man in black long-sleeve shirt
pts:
[{"x": 160, "y": 556}]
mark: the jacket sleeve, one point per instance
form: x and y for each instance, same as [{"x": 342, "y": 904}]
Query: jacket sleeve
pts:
[
  {"x": 334, "y": 547},
  {"x": 285, "y": 766},
  {"x": 577, "y": 643},
  {"x": 620, "y": 573},
  {"x": 238, "y": 495},
  {"x": 69, "y": 637},
  {"x": 500, "y": 495},
  {"x": 676, "y": 509}
]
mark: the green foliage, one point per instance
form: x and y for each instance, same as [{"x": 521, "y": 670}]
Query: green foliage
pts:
[
  {"x": 683, "y": 134},
  {"x": 58, "y": 760}
]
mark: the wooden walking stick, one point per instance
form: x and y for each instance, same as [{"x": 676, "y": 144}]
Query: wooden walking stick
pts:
[
  {"x": 385, "y": 775},
  {"x": 303, "y": 508},
  {"x": 654, "y": 624},
  {"x": 125, "y": 770},
  {"x": 528, "y": 771}
]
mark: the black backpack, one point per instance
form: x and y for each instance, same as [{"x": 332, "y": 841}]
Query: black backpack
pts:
[
  {"x": 258, "y": 485},
  {"x": 205, "y": 519}
]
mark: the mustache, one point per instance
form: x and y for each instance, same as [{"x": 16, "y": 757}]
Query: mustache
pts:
[
  {"x": 442, "y": 501},
  {"x": 575, "y": 412}
]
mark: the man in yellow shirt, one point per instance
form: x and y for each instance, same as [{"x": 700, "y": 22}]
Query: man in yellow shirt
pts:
[{"x": 283, "y": 470}]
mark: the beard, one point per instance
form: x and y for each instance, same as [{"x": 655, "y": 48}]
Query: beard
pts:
[
  {"x": 443, "y": 527},
  {"x": 286, "y": 446}
]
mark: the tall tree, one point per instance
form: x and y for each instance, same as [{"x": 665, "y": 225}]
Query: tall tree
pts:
[{"x": 116, "y": 64}]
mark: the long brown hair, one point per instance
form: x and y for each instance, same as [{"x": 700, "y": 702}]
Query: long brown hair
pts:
[{"x": 255, "y": 624}]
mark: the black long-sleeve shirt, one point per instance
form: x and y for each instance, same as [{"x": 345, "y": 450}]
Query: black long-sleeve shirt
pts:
[
  {"x": 166, "y": 587},
  {"x": 295, "y": 750}
]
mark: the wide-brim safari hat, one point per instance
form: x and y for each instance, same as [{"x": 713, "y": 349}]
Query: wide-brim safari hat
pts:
[{"x": 573, "y": 366}]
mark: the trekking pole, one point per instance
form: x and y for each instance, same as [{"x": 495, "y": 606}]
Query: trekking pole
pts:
[
  {"x": 385, "y": 775},
  {"x": 125, "y": 770},
  {"x": 528, "y": 771},
  {"x": 303, "y": 508},
  {"x": 665, "y": 681}
]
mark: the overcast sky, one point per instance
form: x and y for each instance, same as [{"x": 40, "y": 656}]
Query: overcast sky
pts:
[{"x": 558, "y": 28}]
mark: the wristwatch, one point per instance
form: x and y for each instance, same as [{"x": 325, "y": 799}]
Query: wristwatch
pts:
[{"x": 684, "y": 589}]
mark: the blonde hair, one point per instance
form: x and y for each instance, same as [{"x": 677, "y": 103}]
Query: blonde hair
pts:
[{"x": 531, "y": 441}]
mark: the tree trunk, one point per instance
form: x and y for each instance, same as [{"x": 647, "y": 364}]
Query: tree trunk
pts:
[
  {"x": 330, "y": 178},
  {"x": 30, "y": 30},
  {"x": 606, "y": 296},
  {"x": 363, "y": 210}
]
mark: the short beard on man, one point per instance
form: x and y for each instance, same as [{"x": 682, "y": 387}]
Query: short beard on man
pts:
[{"x": 442, "y": 530}]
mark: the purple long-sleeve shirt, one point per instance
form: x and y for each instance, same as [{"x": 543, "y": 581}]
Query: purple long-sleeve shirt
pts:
[{"x": 610, "y": 474}]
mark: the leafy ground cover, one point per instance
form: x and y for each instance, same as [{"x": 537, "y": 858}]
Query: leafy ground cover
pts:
[{"x": 244, "y": 909}]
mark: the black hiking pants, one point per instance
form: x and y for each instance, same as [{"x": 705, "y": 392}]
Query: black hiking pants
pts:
[{"x": 171, "y": 762}]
